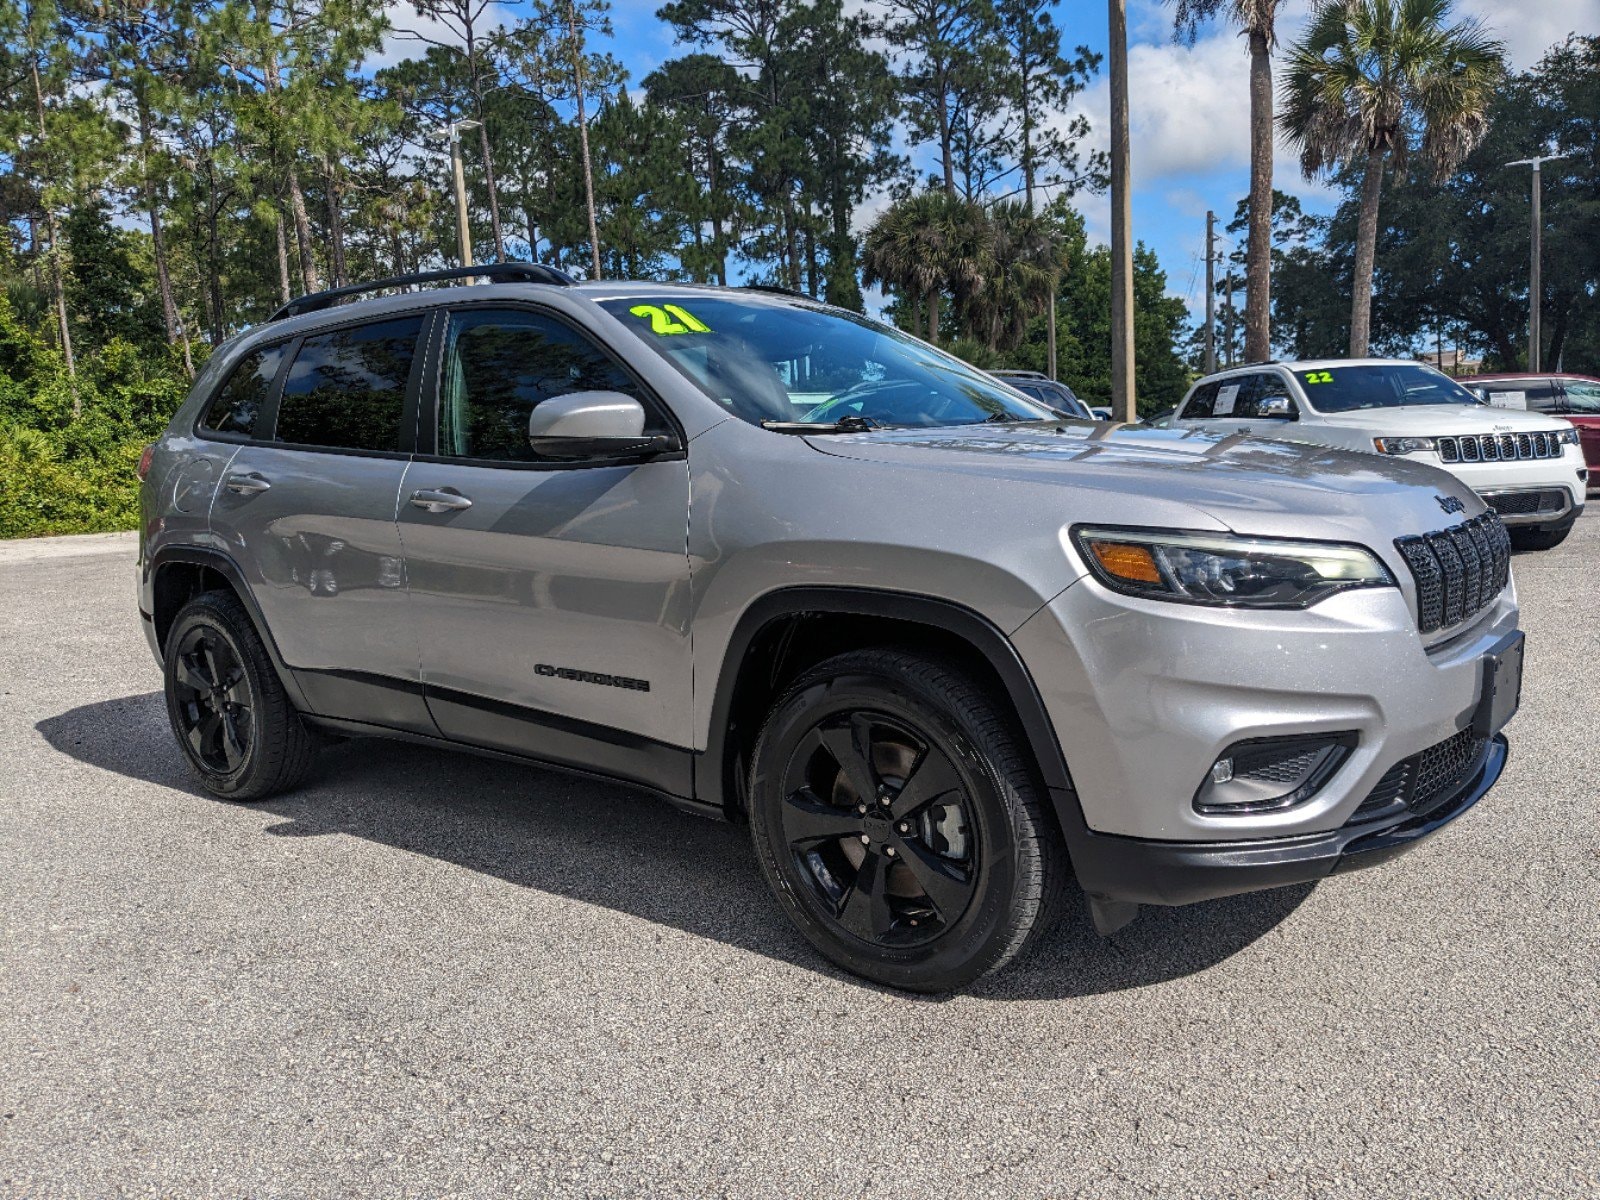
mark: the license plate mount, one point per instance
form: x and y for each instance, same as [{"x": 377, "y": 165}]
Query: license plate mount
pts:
[{"x": 1502, "y": 686}]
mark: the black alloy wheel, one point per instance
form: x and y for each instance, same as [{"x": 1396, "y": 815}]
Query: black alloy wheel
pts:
[
  {"x": 899, "y": 823},
  {"x": 216, "y": 718},
  {"x": 877, "y": 822},
  {"x": 233, "y": 720}
]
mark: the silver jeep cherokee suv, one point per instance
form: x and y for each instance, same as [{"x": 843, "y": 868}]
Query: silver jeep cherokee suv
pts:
[{"x": 779, "y": 563}]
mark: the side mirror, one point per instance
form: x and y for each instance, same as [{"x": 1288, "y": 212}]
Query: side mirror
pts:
[
  {"x": 1278, "y": 408},
  {"x": 593, "y": 425}
]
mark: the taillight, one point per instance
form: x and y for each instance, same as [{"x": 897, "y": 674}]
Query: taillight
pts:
[{"x": 143, "y": 468}]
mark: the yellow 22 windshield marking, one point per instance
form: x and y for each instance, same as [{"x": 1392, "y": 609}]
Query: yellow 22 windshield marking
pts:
[
  {"x": 1319, "y": 376},
  {"x": 670, "y": 318}
]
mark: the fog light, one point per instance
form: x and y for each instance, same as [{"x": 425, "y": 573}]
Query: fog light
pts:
[{"x": 1265, "y": 774}]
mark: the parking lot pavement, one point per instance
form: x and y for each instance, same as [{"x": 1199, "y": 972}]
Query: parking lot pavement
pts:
[{"x": 429, "y": 974}]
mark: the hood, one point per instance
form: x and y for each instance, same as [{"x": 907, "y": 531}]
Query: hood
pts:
[
  {"x": 1439, "y": 420},
  {"x": 1137, "y": 475}
]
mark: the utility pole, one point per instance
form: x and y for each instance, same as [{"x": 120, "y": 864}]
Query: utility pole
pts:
[
  {"x": 1211, "y": 291},
  {"x": 1536, "y": 267},
  {"x": 463, "y": 231},
  {"x": 1124, "y": 403}
]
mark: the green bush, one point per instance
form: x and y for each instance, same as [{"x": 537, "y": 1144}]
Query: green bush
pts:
[
  {"x": 62, "y": 472},
  {"x": 41, "y": 494}
]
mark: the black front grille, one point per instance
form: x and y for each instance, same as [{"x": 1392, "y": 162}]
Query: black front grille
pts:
[
  {"x": 1523, "y": 504},
  {"x": 1458, "y": 571},
  {"x": 1426, "y": 780},
  {"x": 1498, "y": 447}
]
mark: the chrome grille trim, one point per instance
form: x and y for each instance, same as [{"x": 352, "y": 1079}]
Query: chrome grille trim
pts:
[{"x": 1458, "y": 571}]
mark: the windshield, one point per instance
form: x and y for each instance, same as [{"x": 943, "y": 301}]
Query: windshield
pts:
[
  {"x": 1583, "y": 397},
  {"x": 1391, "y": 385},
  {"x": 772, "y": 360}
]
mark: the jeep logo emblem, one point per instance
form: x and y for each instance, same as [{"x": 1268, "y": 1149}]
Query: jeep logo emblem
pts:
[{"x": 1450, "y": 504}]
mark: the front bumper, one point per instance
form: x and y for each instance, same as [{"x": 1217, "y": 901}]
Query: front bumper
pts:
[
  {"x": 1138, "y": 871},
  {"x": 1145, "y": 696},
  {"x": 1500, "y": 482},
  {"x": 1521, "y": 508}
]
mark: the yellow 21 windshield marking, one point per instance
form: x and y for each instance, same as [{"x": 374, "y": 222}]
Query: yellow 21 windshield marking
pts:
[{"x": 670, "y": 318}]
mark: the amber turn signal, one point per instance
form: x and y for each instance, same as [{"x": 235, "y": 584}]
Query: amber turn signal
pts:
[{"x": 1126, "y": 560}]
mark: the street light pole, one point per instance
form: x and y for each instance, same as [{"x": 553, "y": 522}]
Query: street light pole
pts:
[
  {"x": 1124, "y": 403},
  {"x": 1536, "y": 266},
  {"x": 463, "y": 231}
]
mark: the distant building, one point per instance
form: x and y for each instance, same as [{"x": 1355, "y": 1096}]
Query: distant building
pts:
[{"x": 1452, "y": 362}]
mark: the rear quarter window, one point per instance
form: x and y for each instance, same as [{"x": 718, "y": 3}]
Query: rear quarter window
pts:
[{"x": 238, "y": 403}]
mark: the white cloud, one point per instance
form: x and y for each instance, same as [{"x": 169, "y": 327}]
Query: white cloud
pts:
[
  {"x": 1185, "y": 110},
  {"x": 1531, "y": 28},
  {"x": 399, "y": 43}
]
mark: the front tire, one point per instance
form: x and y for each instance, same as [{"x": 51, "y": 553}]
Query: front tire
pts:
[
  {"x": 241, "y": 736},
  {"x": 898, "y": 822}
]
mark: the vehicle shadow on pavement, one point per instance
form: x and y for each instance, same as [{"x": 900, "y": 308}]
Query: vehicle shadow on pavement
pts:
[{"x": 624, "y": 850}]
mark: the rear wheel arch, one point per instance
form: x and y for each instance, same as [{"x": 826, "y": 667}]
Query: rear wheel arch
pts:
[
  {"x": 180, "y": 573},
  {"x": 785, "y": 633}
]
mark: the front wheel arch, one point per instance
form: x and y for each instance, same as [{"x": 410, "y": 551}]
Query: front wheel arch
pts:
[{"x": 787, "y": 631}]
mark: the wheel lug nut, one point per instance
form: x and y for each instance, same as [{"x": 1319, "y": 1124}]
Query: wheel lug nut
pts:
[
  {"x": 862, "y": 809},
  {"x": 905, "y": 827},
  {"x": 865, "y": 840},
  {"x": 889, "y": 850}
]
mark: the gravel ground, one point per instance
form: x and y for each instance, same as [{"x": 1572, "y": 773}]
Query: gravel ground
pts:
[{"x": 430, "y": 975}]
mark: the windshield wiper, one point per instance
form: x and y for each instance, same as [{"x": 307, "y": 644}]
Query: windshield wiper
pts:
[{"x": 850, "y": 424}]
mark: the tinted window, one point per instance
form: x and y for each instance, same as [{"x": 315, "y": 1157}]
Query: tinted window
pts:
[
  {"x": 1543, "y": 397},
  {"x": 1059, "y": 395},
  {"x": 501, "y": 365},
  {"x": 1201, "y": 403},
  {"x": 238, "y": 403},
  {"x": 346, "y": 389},
  {"x": 1261, "y": 388}
]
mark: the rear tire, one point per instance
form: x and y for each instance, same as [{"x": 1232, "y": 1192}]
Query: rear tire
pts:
[
  {"x": 949, "y": 867},
  {"x": 241, "y": 736},
  {"x": 1538, "y": 539}
]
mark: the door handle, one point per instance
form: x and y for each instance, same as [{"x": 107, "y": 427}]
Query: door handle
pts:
[
  {"x": 439, "y": 500},
  {"x": 246, "y": 485}
]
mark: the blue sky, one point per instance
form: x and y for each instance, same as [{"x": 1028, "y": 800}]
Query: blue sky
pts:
[{"x": 1189, "y": 106}]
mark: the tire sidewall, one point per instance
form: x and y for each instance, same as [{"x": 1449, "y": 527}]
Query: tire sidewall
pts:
[{"x": 981, "y": 933}]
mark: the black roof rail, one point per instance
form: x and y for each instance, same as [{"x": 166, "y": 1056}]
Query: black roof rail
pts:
[
  {"x": 774, "y": 289},
  {"x": 493, "y": 272}
]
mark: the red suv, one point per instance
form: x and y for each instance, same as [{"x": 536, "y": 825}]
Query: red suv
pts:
[{"x": 1573, "y": 397}]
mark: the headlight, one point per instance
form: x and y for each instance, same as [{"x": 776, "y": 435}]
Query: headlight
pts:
[
  {"x": 1196, "y": 568},
  {"x": 1568, "y": 436},
  {"x": 1402, "y": 445}
]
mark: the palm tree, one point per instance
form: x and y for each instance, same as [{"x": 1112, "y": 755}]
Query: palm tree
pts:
[
  {"x": 1257, "y": 21},
  {"x": 1027, "y": 259},
  {"x": 1375, "y": 79},
  {"x": 928, "y": 245}
]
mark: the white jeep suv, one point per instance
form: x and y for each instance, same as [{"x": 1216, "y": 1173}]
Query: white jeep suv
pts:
[{"x": 1527, "y": 466}]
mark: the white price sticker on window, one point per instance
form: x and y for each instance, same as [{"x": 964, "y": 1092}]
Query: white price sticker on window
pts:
[
  {"x": 1508, "y": 399},
  {"x": 1226, "y": 398}
]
